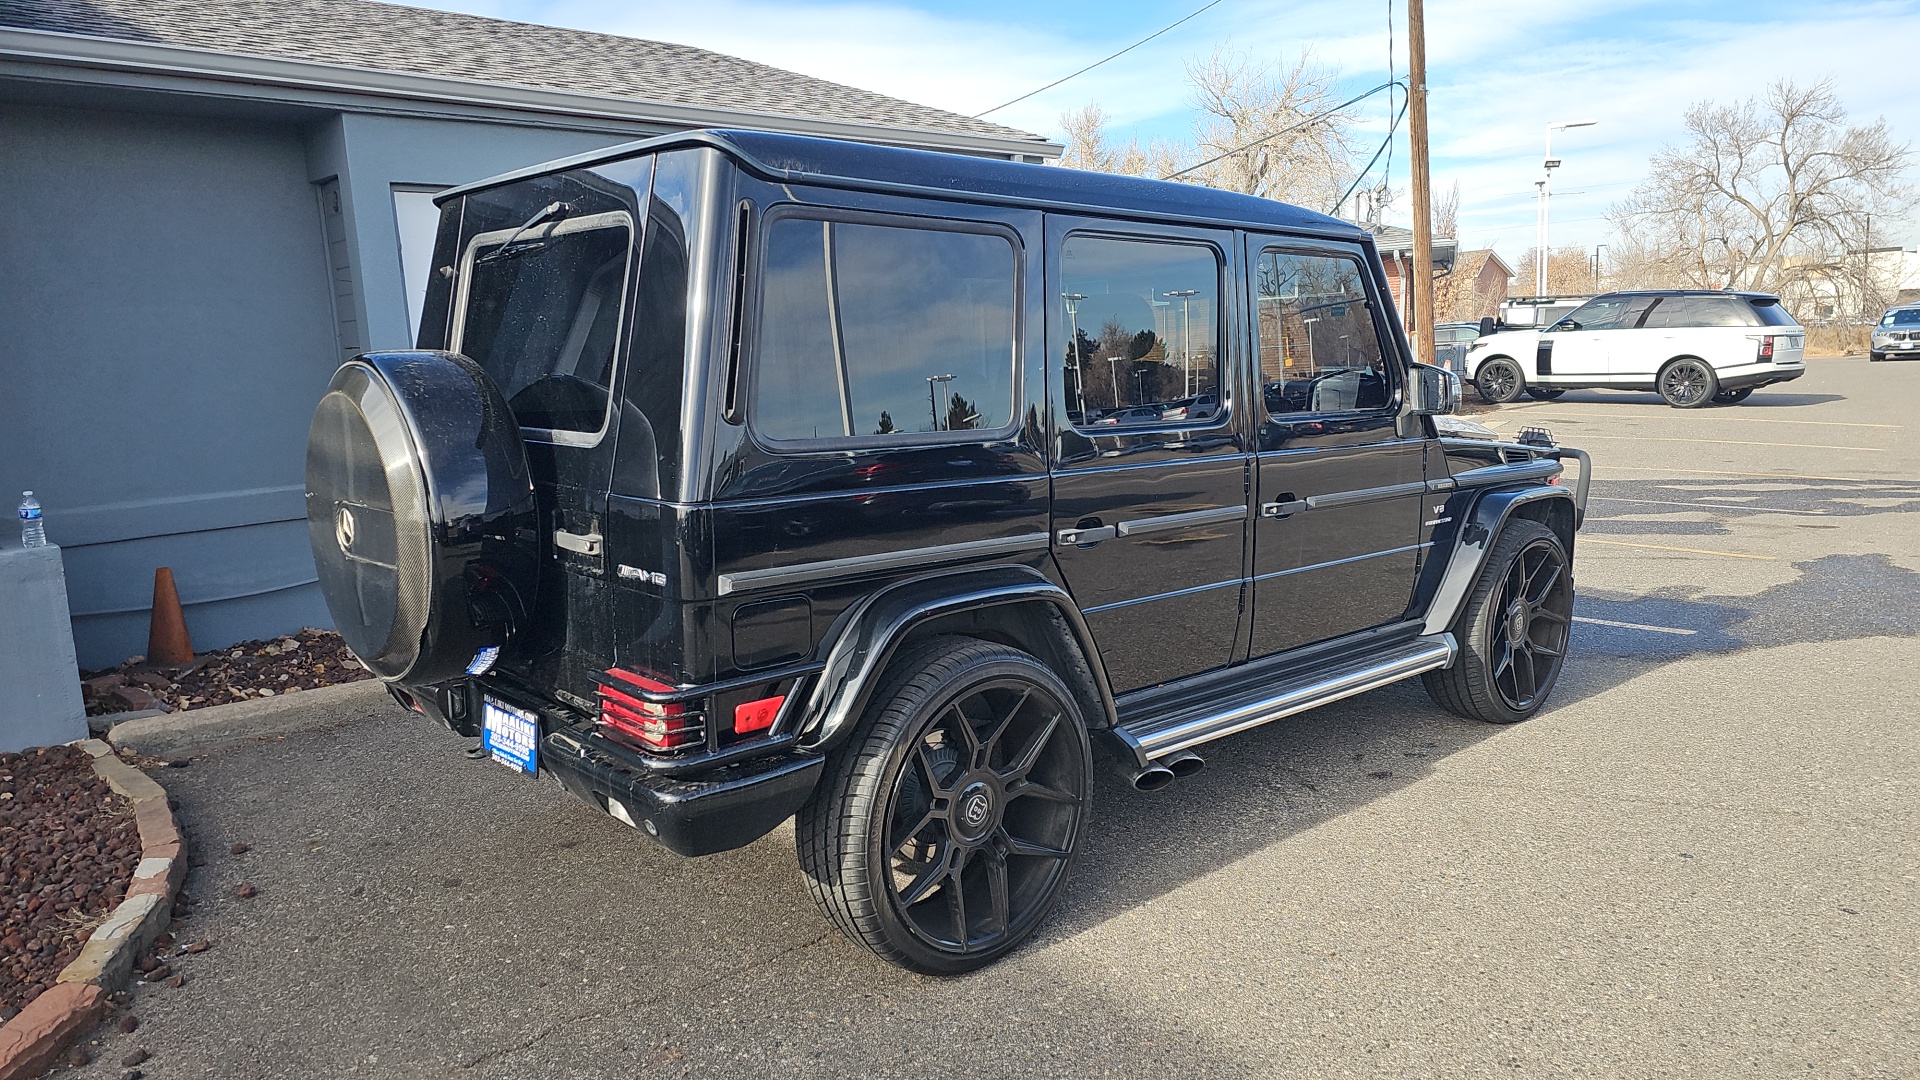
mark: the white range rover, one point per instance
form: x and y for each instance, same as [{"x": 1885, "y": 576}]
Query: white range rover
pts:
[{"x": 1690, "y": 347}]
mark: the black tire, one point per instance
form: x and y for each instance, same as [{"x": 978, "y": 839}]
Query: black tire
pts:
[
  {"x": 1499, "y": 381},
  {"x": 1540, "y": 394},
  {"x": 1687, "y": 383},
  {"x": 1876, "y": 357},
  {"x": 1733, "y": 397},
  {"x": 1487, "y": 681},
  {"x": 926, "y": 782}
]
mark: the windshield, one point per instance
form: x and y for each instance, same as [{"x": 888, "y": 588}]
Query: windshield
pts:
[{"x": 1903, "y": 317}]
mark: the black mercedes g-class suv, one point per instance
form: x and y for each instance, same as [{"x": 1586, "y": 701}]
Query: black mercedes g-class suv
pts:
[{"x": 743, "y": 476}]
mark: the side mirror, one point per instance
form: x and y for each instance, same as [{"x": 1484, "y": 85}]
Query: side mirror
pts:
[
  {"x": 1486, "y": 326},
  {"x": 1433, "y": 391}
]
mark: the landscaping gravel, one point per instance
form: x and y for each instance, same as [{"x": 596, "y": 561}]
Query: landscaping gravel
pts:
[
  {"x": 250, "y": 669},
  {"x": 68, "y": 846}
]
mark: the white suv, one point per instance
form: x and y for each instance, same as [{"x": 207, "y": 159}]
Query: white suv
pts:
[{"x": 1689, "y": 347}]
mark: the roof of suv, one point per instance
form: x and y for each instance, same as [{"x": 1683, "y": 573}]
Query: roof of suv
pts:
[
  {"x": 1694, "y": 292},
  {"x": 836, "y": 163}
]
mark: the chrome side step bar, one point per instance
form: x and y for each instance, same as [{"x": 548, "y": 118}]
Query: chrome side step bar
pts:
[{"x": 1161, "y": 737}]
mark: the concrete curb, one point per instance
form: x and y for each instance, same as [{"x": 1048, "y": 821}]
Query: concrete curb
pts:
[
  {"x": 283, "y": 714},
  {"x": 31, "y": 1041}
]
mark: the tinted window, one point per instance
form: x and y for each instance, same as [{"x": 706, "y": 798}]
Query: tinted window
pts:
[
  {"x": 1772, "y": 313},
  {"x": 1906, "y": 317},
  {"x": 543, "y": 316},
  {"x": 1600, "y": 313},
  {"x": 1694, "y": 311},
  {"x": 876, "y": 330},
  {"x": 1144, "y": 331},
  {"x": 1317, "y": 345}
]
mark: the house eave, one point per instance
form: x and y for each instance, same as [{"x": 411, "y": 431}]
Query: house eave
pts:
[{"x": 245, "y": 75}]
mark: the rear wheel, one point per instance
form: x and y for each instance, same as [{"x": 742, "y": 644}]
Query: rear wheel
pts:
[
  {"x": 1499, "y": 381},
  {"x": 1687, "y": 383},
  {"x": 945, "y": 828},
  {"x": 1513, "y": 632},
  {"x": 1733, "y": 397},
  {"x": 1538, "y": 394}
]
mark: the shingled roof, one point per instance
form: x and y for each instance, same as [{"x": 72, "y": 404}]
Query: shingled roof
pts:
[{"x": 388, "y": 37}]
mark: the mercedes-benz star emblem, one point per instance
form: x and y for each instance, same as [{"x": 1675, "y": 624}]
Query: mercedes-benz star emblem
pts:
[{"x": 343, "y": 528}]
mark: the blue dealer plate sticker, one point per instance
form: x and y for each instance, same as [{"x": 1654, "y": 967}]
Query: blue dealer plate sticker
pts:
[{"x": 511, "y": 736}]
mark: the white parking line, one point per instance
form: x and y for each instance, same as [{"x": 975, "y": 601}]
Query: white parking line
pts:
[
  {"x": 1635, "y": 626},
  {"x": 1584, "y": 436},
  {"x": 1711, "y": 506}
]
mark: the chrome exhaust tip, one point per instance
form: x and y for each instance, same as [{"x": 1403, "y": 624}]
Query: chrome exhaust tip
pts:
[
  {"x": 1152, "y": 778},
  {"x": 1184, "y": 763}
]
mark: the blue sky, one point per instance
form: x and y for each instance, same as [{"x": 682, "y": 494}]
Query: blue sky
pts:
[{"x": 1499, "y": 71}]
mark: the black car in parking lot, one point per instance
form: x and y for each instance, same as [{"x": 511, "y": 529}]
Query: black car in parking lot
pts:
[{"x": 742, "y": 476}]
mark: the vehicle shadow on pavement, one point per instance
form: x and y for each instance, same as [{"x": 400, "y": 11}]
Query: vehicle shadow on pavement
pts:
[{"x": 1761, "y": 399}]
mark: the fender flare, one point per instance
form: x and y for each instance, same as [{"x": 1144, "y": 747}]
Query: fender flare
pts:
[
  {"x": 1473, "y": 540},
  {"x": 868, "y": 634}
]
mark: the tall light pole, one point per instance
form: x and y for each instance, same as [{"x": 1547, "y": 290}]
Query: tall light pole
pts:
[
  {"x": 1186, "y": 338},
  {"x": 1545, "y": 186},
  {"x": 933, "y": 408},
  {"x": 1597, "y": 249},
  {"x": 1079, "y": 372}
]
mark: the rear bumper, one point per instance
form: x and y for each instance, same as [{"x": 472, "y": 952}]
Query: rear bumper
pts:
[
  {"x": 730, "y": 807},
  {"x": 1759, "y": 375}
]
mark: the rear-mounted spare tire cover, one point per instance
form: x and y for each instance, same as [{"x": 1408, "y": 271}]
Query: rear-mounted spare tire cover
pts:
[{"x": 421, "y": 512}]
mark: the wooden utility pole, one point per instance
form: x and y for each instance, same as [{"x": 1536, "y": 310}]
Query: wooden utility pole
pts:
[{"x": 1420, "y": 290}]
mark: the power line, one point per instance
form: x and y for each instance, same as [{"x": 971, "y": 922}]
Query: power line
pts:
[
  {"x": 1097, "y": 63},
  {"x": 1308, "y": 122},
  {"x": 1384, "y": 144}
]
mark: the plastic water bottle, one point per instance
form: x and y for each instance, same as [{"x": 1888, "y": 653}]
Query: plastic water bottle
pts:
[{"x": 33, "y": 531}]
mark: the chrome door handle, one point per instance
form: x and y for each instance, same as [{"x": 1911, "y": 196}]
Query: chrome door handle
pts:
[
  {"x": 1283, "y": 509},
  {"x": 581, "y": 543},
  {"x": 1088, "y": 536}
]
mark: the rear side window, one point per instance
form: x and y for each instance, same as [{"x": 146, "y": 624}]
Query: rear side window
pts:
[
  {"x": 1677, "y": 312},
  {"x": 883, "y": 332},
  {"x": 1319, "y": 352},
  {"x": 542, "y": 314},
  {"x": 1773, "y": 313},
  {"x": 1143, "y": 319}
]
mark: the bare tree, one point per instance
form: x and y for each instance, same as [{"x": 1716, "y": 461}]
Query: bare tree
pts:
[
  {"x": 1244, "y": 101},
  {"x": 1569, "y": 272},
  {"x": 1446, "y": 214},
  {"x": 1769, "y": 195}
]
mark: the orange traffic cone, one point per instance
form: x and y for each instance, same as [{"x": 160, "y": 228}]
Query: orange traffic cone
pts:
[{"x": 167, "y": 641}]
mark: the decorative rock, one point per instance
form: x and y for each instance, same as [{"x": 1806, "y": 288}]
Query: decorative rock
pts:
[
  {"x": 246, "y": 892},
  {"x": 239, "y": 849},
  {"x": 135, "y": 1057},
  {"x": 128, "y": 1024}
]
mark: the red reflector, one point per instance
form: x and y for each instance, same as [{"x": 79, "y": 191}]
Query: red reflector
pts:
[{"x": 756, "y": 715}]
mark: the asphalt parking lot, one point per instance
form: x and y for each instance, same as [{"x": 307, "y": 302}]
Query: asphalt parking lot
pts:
[{"x": 1701, "y": 860}]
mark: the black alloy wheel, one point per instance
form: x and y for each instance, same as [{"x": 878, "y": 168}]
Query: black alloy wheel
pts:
[
  {"x": 946, "y": 827},
  {"x": 1687, "y": 383},
  {"x": 1733, "y": 397},
  {"x": 1513, "y": 632},
  {"x": 1499, "y": 381}
]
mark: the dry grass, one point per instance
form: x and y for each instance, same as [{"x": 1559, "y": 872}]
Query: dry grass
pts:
[{"x": 1837, "y": 340}]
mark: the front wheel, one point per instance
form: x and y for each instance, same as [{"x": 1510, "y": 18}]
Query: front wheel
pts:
[
  {"x": 1538, "y": 394},
  {"x": 1876, "y": 357},
  {"x": 1499, "y": 381},
  {"x": 1733, "y": 397},
  {"x": 1513, "y": 631},
  {"x": 945, "y": 828},
  {"x": 1687, "y": 383}
]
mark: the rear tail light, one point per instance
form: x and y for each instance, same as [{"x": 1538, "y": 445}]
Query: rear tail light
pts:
[
  {"x": 1766, "y": 348},
  {"x": 657, "y": 728}
]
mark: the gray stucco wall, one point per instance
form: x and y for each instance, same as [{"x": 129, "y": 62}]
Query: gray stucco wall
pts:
[
  {"x": 167, "y": 326},
  {"x": 166, "y": 310}
]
